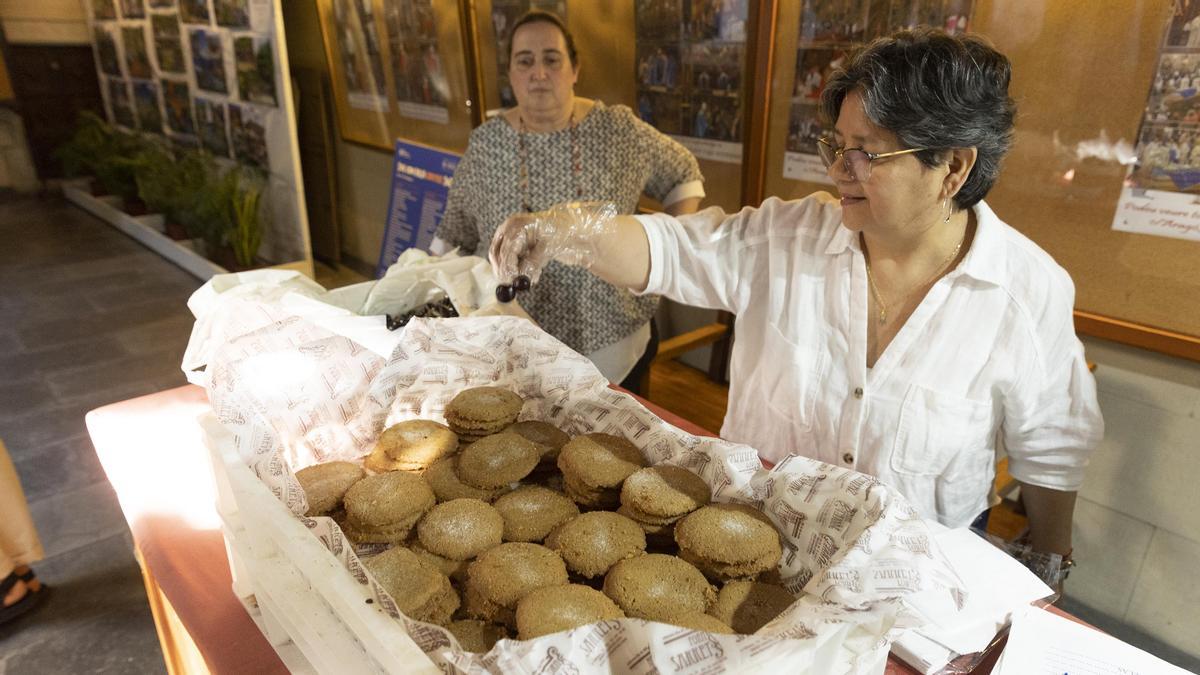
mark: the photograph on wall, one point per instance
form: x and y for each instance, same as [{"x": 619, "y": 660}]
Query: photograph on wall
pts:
[
  {"x": 248, "y": 132},
  {"x": 360, "y": 53},
  {"x": 118, "y": 101},
  {"x": 208, "y": 60},
  {"x": 145, "y": 103},
  {"x": 137, "y": 59},
  {"x": 106, "y": 52},
  {"x": 104, "y": 9},
  {"x": 168, "y": 45},
  {"x": 828, "y": 30},
  {"x": 1162, "y": 188},
  {"x": 254, "y": 63},
  {"x": 691, "y": 54},
  {"x": 504, "y": 14},
  {"x": 177, "y": 101},
  {"x": 210, "y": 122},
  {"x": 422, "y": 91},
  {"x": 194, "y": 11},
  {"x": 132, "y": 9},
  {"x": 232, "y": 13}
]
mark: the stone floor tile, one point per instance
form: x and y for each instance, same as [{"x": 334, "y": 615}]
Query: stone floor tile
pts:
[
  {"x": 60, "y": 467},
  {"x": 68, "y": 521}
]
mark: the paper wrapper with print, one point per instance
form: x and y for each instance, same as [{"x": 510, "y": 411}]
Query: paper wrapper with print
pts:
[{"x": 295, "y": 393}]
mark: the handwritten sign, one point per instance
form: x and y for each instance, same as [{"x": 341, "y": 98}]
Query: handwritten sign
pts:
[{"x": 1159, "y": 213}]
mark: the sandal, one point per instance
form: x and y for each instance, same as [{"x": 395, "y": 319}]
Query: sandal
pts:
[{"x": 27, "y": 602}]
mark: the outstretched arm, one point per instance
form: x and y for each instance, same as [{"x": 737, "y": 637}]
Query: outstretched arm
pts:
[{"x": 588, "y": 234}]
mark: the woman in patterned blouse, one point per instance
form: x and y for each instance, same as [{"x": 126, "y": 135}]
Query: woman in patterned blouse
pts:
[{"x": 555, "y": 147}]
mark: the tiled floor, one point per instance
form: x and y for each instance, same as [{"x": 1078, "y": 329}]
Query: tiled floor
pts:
[{"x": 89, "y": 317}]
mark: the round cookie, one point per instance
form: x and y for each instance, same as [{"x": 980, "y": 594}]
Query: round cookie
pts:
[
  {"x": 476, "y": 636},
  {"x": 599, "y": 460},
  {"x": 728, "y": 541},
  {"x": 415, "y": 444},
  {"x": 657, "y": 586},
  {"x": 700, "y": 621},
  {"x": 664, "y": 491},
  {"x": 383, "y": 508},
  {"x": 506, "y": 573},
  {"x": 443, "y": 478},
  {"x": 420, "y": 591},
  {"x": 461, "y": 529},
  {"x": 379, "y": 462},
  {"x": 593, "y": 542},
  {"x": 482, "y": 410},
  {"x": 455, "y": 569},
  {"x": 558, "y": 608},
  {"x": 496, "y": 461},
  {"x": 530, "y": 512},
  {"x": 750, "y": 605},
  {"x": 326, "y": 484},
  {"x": 477, "y": 606},
  {"x": 549, "y": 438}
]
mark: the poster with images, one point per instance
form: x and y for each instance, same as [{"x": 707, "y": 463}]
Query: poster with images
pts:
[
  {"x": 504, "y": 14},
  {"x": 104, "y": 9},
  {"x": 177, "y": 100},
  {"x": 210, "y": 122},
  {"x": 194, "y": 11},
  {"x": 168, "y": 45},
  {"x": 145, "y": 103},
  {"x": 248, "y": 133},
  {"x": 254, "y": 63},
  {"x": 132, "y": 9},
  {"x": 118, "y": 101},
  {"x": 361, "y": 54},
  {"x": 689, "y": 62},
  {"x": 106, "y": 52},
  {"x": 1161, "y": 195},
  {"x": 137, "y": 58},
  {"x": 828, "y": 31},
  {"x": 422, "y": 91},
  {"x": 232, "y": 13},
  {"x": 208, "y": 60}
]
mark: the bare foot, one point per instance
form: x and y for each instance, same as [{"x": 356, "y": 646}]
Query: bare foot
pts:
[
  {"x": 35, "y": 585},
  {"x": 15, "y": 594}
]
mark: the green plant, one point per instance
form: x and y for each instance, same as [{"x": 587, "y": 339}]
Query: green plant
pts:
[
  {"x": 245, "y": 232},
  {"x": 89, "y": 142},
  {"x": 106, "y": 153}
]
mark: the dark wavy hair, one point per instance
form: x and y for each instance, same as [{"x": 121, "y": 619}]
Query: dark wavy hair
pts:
[
  {"x": 935, "y": 91},
  {"x": 539, "y": 16}
]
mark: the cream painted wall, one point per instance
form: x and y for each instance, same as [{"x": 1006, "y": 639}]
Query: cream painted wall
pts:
[
  {"x": 1137, "y": 523},
  {"x": 364, "y": 178},
  {"x": 44, "y": 21}
]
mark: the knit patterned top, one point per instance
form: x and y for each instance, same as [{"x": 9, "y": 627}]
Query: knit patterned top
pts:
[{"x": 621, "y": 156}]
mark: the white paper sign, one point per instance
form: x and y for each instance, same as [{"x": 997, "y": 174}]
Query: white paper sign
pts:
[
  {"x": 1157, "y": 212},
  {"x": 799, "y": 166}
]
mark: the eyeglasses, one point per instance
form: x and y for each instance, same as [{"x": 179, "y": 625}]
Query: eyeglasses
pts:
[{"x": 856, "y": 161}]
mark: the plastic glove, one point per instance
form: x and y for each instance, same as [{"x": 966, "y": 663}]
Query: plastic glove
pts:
[{"x": 568, "y": 233}]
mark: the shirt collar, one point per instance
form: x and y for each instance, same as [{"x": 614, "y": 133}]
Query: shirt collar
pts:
[{"x": 984, "y": 261}]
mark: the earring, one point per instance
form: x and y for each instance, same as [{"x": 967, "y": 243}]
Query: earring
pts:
[{"x": 949, "y": 210}]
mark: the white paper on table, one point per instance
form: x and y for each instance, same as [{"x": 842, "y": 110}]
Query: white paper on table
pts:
[
  {"x": 1043, "y": 643},
  {"x": 997, "y": 585}
]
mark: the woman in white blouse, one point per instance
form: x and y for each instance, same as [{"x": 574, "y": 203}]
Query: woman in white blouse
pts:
[{"x": 902, "y": 330}]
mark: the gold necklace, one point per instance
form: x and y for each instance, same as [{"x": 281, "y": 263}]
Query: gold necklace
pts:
[{"x": 883, "y": 308}]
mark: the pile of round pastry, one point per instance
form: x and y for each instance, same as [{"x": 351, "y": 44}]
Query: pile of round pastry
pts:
[{"x": 503, "y": 526}]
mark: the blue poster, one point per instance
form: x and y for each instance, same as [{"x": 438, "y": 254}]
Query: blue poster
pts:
[{"x": 421, "y": 179}]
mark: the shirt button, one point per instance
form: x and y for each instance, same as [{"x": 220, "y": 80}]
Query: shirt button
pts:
[
  {"x": 858, "y": 392},
  {"x": 848, "y": 458}
]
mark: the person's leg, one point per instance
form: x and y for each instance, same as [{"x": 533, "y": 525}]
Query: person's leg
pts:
[
  {"x": 633, "y": 381},
  {"x": 19, "y": 542}
]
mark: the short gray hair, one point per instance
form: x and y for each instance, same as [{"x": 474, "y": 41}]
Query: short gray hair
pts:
[{"x": 935, "y": 91}]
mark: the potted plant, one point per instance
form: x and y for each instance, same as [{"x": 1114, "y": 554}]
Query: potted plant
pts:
[
  {"x": 108, "y": 154},
  {"x": 245, "y": 232}
]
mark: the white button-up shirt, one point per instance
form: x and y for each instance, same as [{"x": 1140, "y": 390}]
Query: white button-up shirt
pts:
[{"x": 989, "y": 359}]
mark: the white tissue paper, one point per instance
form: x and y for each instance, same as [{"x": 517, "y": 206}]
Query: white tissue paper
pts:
[{"x": 297, "y": 385}]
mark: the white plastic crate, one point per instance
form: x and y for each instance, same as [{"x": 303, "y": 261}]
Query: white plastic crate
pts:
[{"x": 310, "y": 608}]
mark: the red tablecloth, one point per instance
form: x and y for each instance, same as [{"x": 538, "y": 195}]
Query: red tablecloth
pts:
[{"x": 152, "y": 451}]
